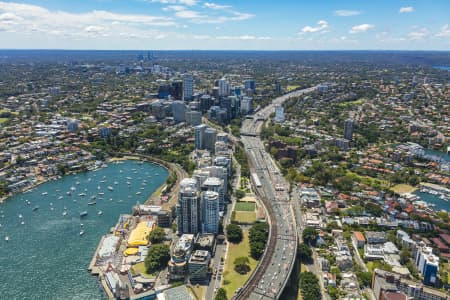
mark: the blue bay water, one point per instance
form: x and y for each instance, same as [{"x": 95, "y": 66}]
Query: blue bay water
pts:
[
  {"x": 439, "y": 203},
  {"x": 46, "y": 258}
]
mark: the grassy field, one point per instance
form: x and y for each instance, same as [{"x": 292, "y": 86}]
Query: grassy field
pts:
[
  {"x": 367, "y": 180},
  {"x": 247, "y": 217},
  {"x": 244, "y": 206},
  {"x": 139, "y": 268},
  {"x": 292, "y": 87},
  {"x": 3, "y": 120},
  {"x": 403, "y": 188},
  {"x": 233, "y": 280},
  {"x": 350, "y": 103}
]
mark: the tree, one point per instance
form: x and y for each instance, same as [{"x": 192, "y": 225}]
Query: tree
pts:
[
  {"x": 241, "y": 265},
  {"x": 239, "y": 194},
  {"x": 304, "y": 252},
  {"x": 310, "y": 235},
  {"x": 364, "y": 278},
  {"x": 157, "y": 235},
  {"x": 157, "y": 258},
  {"x": 234, "y": 233},
  {"x": 258, "y": 235},
  {"x": 221, "y": 294},
  {"x": 309, "y": 285},
  {"x": 405, "y": 254}
]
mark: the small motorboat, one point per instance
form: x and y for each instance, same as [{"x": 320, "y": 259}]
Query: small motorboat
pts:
[
  {"x": 83, "y": 214},
  {"x": 81, "y": 232},
  {"x": 99, "y": 213},
  {"x": 64, "y": 213},
  {"x": 7, "y": 238},
  {"x": 36, "y": 208},
  {"x": 92, "y": 203}
]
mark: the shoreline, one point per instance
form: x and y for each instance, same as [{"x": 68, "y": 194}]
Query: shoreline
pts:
[{"x": 107, "y": 161}]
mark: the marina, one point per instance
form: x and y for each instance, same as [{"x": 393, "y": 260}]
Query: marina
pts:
[{"x": 51, "y": 246}]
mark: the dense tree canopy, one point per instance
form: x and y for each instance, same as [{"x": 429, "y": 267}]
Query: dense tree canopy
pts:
[
  {"x": 258, "y": 236},
  {"x": 157, "y": 258},
  {"x": 157, "y": 235},
  {"x": 234, "y": 233},
  {"x": 310, "y": 235},
  {"x": 221, "y": 294},
  {"x": 309, "y": 286},
  {"x": 304, "y": 253}
]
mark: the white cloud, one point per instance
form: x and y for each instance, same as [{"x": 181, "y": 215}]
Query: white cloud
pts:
[
  {"x": 199, "y": 18},
  {"x": 26, "y": 19},
  {"x": 445, "y": 31},
  {"x": 215, "y": 6},
  {"x": 184, "y": 2},
  {"x": 361, "y": 28},
  {"x": 244, "y": 37},
  {"x": 174, "y": 8},
  {"x": 322, "y": 26},
  {"x": 188, "y": 14},
  {"x": 188, "y": 2},
  {"x": 406, "y": 9},
  {"x": 346, "y": 13},
  {"x": 419, "y": 34}
]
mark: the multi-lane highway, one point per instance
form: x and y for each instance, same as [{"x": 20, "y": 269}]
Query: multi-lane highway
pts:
[{"x": 275, "y": 266}]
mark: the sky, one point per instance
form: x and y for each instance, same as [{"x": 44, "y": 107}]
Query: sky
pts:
[{"x": 225, "y": 24}]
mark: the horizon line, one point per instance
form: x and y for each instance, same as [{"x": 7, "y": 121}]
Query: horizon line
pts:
[{"x": 231, "y": 50}]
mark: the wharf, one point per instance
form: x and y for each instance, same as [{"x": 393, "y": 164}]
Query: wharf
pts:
[{"x": 92, "y": 267}]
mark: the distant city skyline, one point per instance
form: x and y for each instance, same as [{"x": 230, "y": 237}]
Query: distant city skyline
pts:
[{"x": 225, "y": 24}]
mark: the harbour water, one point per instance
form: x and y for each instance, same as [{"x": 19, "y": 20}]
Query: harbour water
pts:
[
  {"x": 46, "y": 257},
  {"x": 433, "y": 199}
]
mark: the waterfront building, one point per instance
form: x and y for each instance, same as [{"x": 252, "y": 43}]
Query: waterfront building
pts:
[
  {"x": 199, "y": 135},
  {"x": 210, "y": 212},
  {"x": 349, "y": 125},
  {"x": 205, "y": 241},
  {"x": 188, "y": 87},
  {"x": 180, "y": 255},
  {"x": 198, "y": 266},
  {"x": 279, "y": 114},
  {"x": 216, "y": 185},
  {"x": 188, "y": 207}
]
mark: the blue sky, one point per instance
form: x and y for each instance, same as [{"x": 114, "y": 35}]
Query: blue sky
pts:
[{"x": 225, "y": 24}]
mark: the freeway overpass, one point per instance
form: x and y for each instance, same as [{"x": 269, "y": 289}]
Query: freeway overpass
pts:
[{"x": 275, "y": 266}]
